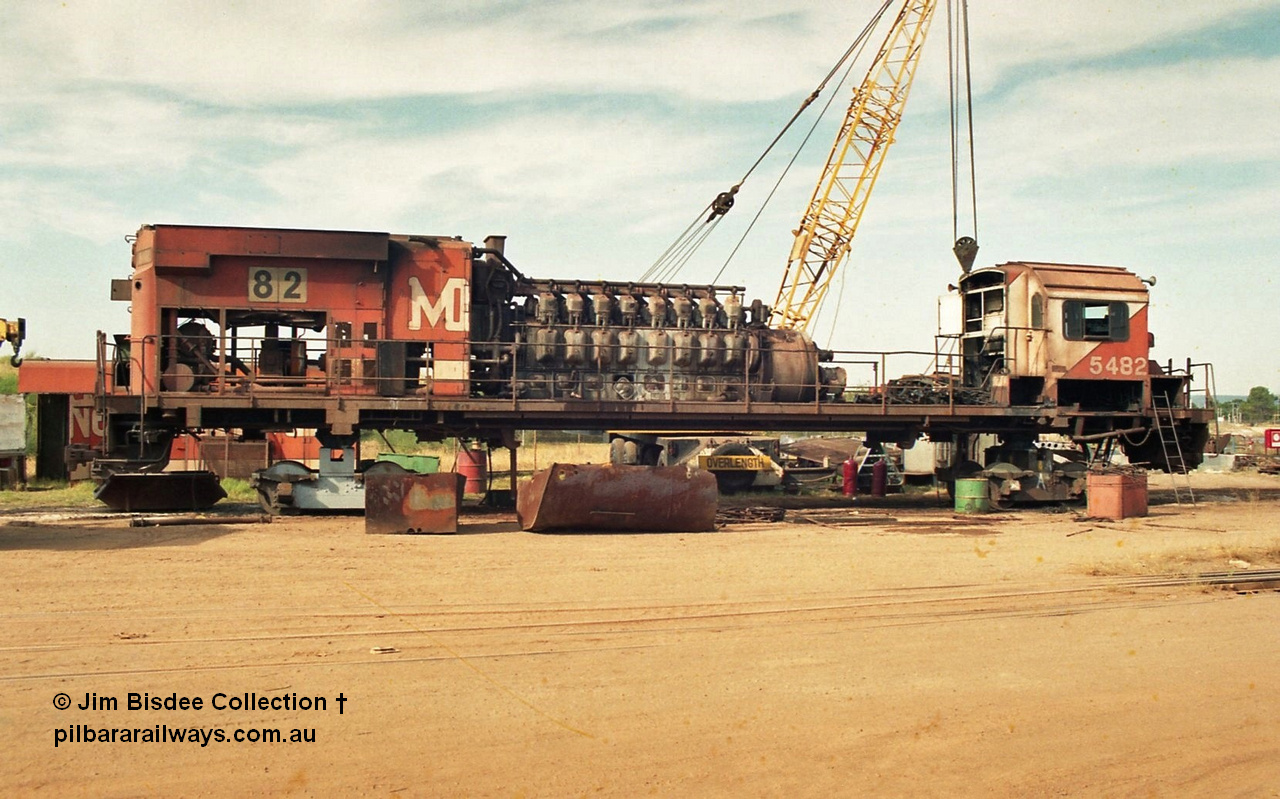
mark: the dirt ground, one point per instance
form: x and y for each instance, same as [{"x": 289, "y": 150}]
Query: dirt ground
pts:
[{"x": 886, "y": 648}]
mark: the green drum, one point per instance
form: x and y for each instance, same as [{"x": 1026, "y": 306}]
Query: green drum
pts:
[{"x": 972, "y": 495}]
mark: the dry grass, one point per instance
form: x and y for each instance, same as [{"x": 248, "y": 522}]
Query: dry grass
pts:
[
  {"x": 530, "y": 456},
  {"x": 42, "y": 494},
  {"x": 45, "y": 494},
  {"x": 1215, "y": 558}
]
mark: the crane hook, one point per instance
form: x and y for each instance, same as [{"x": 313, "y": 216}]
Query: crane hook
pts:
[{"x": 966, "y": 251}]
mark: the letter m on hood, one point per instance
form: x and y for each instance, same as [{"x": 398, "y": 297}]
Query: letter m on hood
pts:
[{"x": 452, "y": 305}]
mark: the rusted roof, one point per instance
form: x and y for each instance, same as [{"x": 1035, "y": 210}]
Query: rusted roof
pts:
[
  {"x": 1079, "y": 276},
  {"x": 187, "y": 247}
]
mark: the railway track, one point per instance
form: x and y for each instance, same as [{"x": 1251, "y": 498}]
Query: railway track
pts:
[{"x": 427, "y": 633}]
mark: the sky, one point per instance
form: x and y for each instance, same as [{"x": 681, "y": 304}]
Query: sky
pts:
[{"x": 1140, "y": 134}]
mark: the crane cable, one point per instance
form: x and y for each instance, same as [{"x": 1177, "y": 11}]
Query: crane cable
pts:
[
  {"x": 957, "y": 51},
  {"x": 785, "y": 170},
  {"x": 678, "y": 253}
]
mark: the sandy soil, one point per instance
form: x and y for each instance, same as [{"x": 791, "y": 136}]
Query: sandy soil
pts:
[{"x": 887, "y": 648}]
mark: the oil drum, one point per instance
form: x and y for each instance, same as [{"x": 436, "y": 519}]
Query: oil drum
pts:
[{"x": 473, "y": 464}]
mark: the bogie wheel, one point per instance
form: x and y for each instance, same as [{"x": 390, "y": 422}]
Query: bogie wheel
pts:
[
  {"x": 267, "y": 499},
  {"x": 1002, "y": 503}
]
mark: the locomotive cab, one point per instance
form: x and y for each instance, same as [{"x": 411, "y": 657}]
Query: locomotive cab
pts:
[{"x": 1056, "y": 335}]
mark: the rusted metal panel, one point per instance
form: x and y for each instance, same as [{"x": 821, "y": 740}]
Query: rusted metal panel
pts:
[
  {"x": 429, "y": 298},
  {"x": 412, "y": 503},
  {"x": 221, "y": 455},
  {"x": 1120, "y": 495},
  {"x": 183, "y": 247},
  {"x": 57, "y": 377},
  {"x": 295, "y": 445},
  {"x": 1069, "y": 277},
  {"x": 160, "y": 491},
  {"x": 622, "y": 498}
]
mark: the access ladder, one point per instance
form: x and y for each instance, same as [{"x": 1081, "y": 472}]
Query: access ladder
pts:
[{"x": 1172, "y": 447}]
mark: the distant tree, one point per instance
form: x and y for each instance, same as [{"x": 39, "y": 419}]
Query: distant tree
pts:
[
  {"x": 1230, "y": 410},
  {"x": 1259, "y": 406}
]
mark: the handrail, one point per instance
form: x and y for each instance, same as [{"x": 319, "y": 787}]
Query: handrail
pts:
[{"x": 339, "y": 371}]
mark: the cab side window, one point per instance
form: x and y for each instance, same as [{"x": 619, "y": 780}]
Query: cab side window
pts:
[{"x": 1090, "y": 320}]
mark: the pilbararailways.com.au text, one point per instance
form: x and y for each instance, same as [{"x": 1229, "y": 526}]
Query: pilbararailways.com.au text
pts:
[
  {"x": 222, "y": 703},
  {"x": 164, "y": 734}
]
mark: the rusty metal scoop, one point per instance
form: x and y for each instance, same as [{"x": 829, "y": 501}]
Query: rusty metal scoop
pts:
[{"x": 618, "y": 498}]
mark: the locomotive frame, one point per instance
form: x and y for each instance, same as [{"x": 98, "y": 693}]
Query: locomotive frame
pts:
[{"x": 258, "y": 329}]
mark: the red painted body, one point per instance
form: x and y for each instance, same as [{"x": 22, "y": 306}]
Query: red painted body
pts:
[
  {"x": 338, "y": 293},
  {"x": 268, "y": 330},
  {"x": 1057, "y": 334},
  {"x": 57, "y": 377}
]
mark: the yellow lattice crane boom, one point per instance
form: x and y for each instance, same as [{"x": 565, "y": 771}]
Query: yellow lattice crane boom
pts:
[{"x": 827, "y": 229}]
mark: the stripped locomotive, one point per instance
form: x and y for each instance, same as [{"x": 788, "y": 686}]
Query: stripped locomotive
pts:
[
  {"x": 254, "y": 330},
  {"x": 1075, "y": 338},
  {"x": 1036, "y": 333},
  {"x": 228, "y": 313}
]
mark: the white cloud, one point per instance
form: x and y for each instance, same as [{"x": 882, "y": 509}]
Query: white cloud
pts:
[
  {"x": 311, "y": 52},
  {"x": 1007, "y": 36},
  {"x": 31, "y": 206},
  {"x": 1190, "y": 112},
  {"x": 614, "y": 175},
  {"x": 304, "y": 52},
  {"x": 593, "y": 131},
  {"x": 102, "y": 131}
]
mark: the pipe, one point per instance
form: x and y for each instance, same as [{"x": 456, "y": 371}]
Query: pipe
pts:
[
  {"x": 499, "y": 255},
  {"x": 175, "y": 521},
  {"x": 1111, "y": 434}
]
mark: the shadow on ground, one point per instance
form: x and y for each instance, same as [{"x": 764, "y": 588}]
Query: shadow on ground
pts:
[{"x": 79, "y": 537}]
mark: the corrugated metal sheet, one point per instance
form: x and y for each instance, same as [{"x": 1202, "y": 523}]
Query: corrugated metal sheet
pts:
[{"x": 13, "y": 424}]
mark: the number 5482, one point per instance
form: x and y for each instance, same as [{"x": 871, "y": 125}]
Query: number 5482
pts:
[{"x": 1118, "y": 366}]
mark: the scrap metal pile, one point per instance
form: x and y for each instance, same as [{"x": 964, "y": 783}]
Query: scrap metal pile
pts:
[{"x": 937, "y": 389}]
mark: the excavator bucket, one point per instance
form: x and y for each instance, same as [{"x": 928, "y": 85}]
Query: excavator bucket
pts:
[
  {"x": 160, "y": 491},
  {"x": 589, "y": 498}
]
